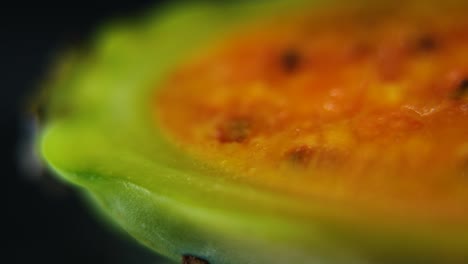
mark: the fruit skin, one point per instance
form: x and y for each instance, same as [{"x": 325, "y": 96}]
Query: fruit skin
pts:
[{"x": 100, "y": 136}]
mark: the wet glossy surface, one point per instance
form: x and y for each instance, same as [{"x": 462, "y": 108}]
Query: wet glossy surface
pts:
[{"x": 359, "y": 106}]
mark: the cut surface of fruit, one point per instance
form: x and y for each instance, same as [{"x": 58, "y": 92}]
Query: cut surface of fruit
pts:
[
  {"x": 364, "y": 106},
  {"x": 280, "y": 131}
]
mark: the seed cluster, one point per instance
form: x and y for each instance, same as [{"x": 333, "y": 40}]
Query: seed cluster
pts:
[{"x": 329, "y": 104}]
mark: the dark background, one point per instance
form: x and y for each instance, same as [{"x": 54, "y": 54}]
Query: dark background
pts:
[{"x": 45, "y": 221}]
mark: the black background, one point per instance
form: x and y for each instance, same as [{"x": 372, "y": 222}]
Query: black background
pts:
[{"x": 45, "y": 221}]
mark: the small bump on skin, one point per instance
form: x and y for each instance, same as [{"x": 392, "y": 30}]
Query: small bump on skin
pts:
[
  {"x": 290, "y": 60},
  {"x": 234, "y": 130},
  {"x": 187, "y": 259}
]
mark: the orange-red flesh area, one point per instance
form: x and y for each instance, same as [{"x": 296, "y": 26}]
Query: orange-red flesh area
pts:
[{"x": 361, "y": 106}]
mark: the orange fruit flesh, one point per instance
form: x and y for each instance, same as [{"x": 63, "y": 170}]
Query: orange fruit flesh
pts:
[{"x": 364, "y": 107}]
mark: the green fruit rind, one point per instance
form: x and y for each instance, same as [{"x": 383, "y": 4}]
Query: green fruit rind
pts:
[{"x": 100, "y": 135}]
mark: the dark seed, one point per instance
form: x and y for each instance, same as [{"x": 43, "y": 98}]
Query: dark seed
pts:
[
  {"x": 426, "y": 43},
  {"x": 193, "y": 260},
  {"x": 300, "y": 155},
  {"x": 234, "y": 130},
  {"x": 303, "y": 156},
  {"x": 290, "y": 60},
  {"x": 462, "y": 90}
]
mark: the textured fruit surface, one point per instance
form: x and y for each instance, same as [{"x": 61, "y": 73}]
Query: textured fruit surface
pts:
[
  {"x": 364, "y": 106},
  {"x": 274, "y": 131}
]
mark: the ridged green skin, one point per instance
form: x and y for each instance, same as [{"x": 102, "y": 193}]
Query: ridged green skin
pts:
[{"x": 100, "y": 135}]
